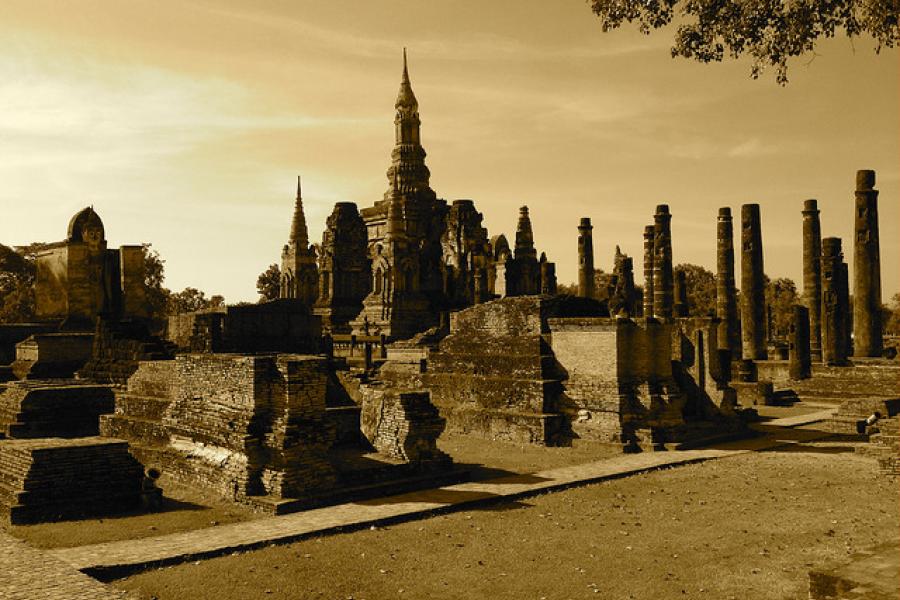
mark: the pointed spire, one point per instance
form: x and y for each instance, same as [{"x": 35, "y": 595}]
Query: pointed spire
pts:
[
  {"x": 405, "y": 97},
  {"x": 299, "y": 233}
]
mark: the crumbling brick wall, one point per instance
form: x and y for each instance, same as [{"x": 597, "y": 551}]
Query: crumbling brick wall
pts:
[
  {"x": 403, "y": 424},
  {"x": 242, "y": 425},
  {"x": 492, "y": 375}
]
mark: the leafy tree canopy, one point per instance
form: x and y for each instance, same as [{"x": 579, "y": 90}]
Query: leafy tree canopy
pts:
[
  {"x": 781, "y": 296},
  {"x": 268, "y": 284},
  {"x": 191, "y": 299},
  {"x": 16, "y": 284},
  {"x": 701, "y": 289},
  {"x": 768, "y": 31}
]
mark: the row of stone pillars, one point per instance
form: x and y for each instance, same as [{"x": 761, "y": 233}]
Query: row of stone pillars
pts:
[
  {"x": 743, "y": 329},
  {"x": 826, "y": 285},
  {"x": 826, "y": 296}
]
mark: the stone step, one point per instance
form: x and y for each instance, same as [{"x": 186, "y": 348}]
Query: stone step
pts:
[
  {"x": 136, "y": 430},
  {"x": 143, "y": 407}
]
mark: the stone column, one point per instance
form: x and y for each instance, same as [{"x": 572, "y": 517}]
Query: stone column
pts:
[
  {"x": 663, "y": 292},
  {"x": 753, "y": 300},
  {"x": 833, "y": 349},
  {"x": 846, "y": 313},
  {"x": 648, "y": 271},
  {"x": 585, "y": 258},
  {"x": 867, "y": 325},
  {"x": 812, "y": 275},
  {"x": 548, "y": 276},
  {"x": 726, "y": 296},
  {"x": 681, "y": 299},
  {"x": 800, "y": 361}
]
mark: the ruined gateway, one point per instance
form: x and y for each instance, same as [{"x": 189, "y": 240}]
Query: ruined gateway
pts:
[{"x": 407, "y": 320}]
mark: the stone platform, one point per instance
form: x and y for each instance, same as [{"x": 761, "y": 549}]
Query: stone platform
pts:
[
  {"x": 53, "y": 408},
  {"x": 854, "y": 410},
  {"x": 52, "y": 478}
]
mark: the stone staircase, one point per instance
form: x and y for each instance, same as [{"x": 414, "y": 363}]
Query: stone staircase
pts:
[
  {"x": 140, "y": 409},
  {"x": 865, "y": 379},
  {"x": 118, "y": 348}
]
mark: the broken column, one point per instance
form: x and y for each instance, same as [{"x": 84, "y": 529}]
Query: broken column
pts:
[
  {"x": 799, "y": 359},
  {"x": 548, "y": 276},
  {"x": 681, "y": 300},
  {"x": 621, "y": 291},
  {"x": 726, "y": 296},
  {"x": 833, "y": 349},
  {"x": 867, "y": 326},
  {"x": 663, "y": 292},
  {"x": 648, "y": 271},
  {"x": 753, "y": 300},
  {"x": 585, "y": 258},
  {"x": 812, "y": 275}
]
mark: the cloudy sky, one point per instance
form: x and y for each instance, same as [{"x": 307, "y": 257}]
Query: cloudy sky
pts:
[{"x": 185, "y": 124}]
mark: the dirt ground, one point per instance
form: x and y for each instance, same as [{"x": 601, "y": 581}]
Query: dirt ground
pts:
[
  {"x": 186, "y": 508},
  {"x": 744, "y": 527}
]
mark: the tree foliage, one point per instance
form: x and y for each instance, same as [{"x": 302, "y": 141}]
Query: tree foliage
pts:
[
  {"x": 701, "y": 289},
  {"x": 191, "y": 300},
  {"x": 768, "y": 31},
  {"x": 268, "y": 284},
  {"x": 781, "y": 296},
  {"x": 17, "y": 284},
  {"x": 892, "y": 323},
  {"x": 156, "y": 295}
]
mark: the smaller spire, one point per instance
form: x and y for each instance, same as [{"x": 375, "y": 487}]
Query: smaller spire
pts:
[
  {"x": 524, "y": 236},
  {"x": 299, "y": 233}
]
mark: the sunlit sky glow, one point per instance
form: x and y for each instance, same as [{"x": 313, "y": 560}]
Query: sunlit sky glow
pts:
[{"x": 186, "y": 123}]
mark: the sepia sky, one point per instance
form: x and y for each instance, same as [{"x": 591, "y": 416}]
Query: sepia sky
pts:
[{"x": 185, "y": 123}]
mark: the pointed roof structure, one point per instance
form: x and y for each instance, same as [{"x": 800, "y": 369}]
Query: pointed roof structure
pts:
[
  {"x": 299, "y": 233},
  {"x": 405, "y": 97},
  {"x": 407, "y": 173}
]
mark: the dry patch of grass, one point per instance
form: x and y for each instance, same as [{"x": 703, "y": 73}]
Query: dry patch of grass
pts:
[
  {"x": 184, "y": 509},
  {"x": 744, "y": 527}
]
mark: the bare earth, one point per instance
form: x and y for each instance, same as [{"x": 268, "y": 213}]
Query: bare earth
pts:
[
  {"x": 750, "y": 526},
  {"x": 186, "y": 509},
  {"x": 183, "y": 509}
]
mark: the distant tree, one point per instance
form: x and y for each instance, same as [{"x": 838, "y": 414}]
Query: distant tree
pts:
[
  {"x": 892, "y": 320},
  {"x": 191, "y": 300},
  {"x": 17, "y": 284},
  {"x": 157, "y": 296},
  {"x": 768, "y": 31},
  {"x": 701, "y": 289},
  {"x": 601, "y": 284},
  {"x": 781, "y": 296},
  {"x": 268, "y": 284},
  {"x": 567, "y": 288}
]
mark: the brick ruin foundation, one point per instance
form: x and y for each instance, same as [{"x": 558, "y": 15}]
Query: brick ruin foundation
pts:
[
  {"x": 517, "y": 369},
  {"x": 257, "y": 428},
  {"x": 51, "y": 479}
]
